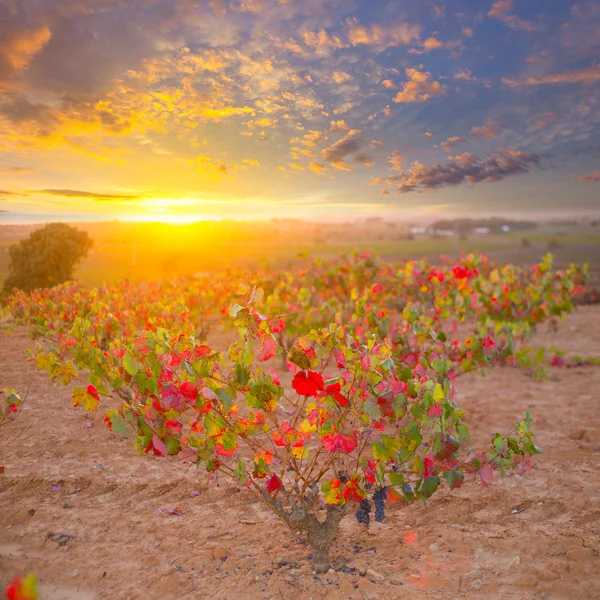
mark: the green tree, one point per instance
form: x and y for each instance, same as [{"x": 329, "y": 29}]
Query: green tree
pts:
[{"x": 47, "y": 257}]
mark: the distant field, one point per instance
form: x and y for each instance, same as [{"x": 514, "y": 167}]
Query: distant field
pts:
[{"x": 143, "y": 251}]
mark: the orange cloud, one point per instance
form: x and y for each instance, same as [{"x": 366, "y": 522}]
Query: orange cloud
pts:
[
  {"x": 419, "y": 87},
  {"x": 378, "y": 35},
  {"x": 340, "y": 77},
  {"x": 591, "y": 178},
  {"x": 317, "y": 168},
  {"x": 449, "y": 144},
  {"x": 396, "y": 160},
  {"x": 500, "y": 10},
  {"x": 485, "y": 131},
  {"x": 575, "y": 76},
  {"x": 322, "y": 42},
  {"x": 22, "y": 46},
  {"x": 339, "y": 126}
]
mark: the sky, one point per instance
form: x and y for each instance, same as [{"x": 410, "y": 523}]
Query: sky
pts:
[{"x": 178, "y": 110}]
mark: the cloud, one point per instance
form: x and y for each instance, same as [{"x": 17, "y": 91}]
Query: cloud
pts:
[
  {"x": 215, "y": 170},
  {"x": 82, "y": 194},
  {"x": 339, "y": 126},
  {"x": 465, "y": 168},
  {"x": 451, "y": 142},
  {"x": 340, "y": 77},
  {"x": 380, "y": 36},
  {"x": 574, "y": 76},
  {"x": 501, "y": 10},
  {"x": 349, "y": 145},
  {"x": 466, "y": 75},
  {"x": 431, "y": 43},
  {"x": 484, "y": 131},
  {"x": 7, "y": 193},
  {"x": 322, "y": 42},
  {"x": 590, "y": 178},
  {"x": 317, "y": 168},
  {"x": 16, "y": 170},
  {"x": 419, "y": 87},
  {"x": 363, "y": 159},
  {"x": 396, "y": 160}
]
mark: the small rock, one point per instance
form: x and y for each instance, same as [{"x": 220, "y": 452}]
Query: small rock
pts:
[
  {"x": 74, "y": 573},
  {"x": 561, "y": 567},
  {"x": 374, "y": 576},
  {"x": 578, "y": 554},
  {"x": 217, "y": 551},
  {"x": 515, "y": 562},
  {"x": 434, "y": 547},
  {"x": 67, "y": 505},
  {"x": 472, "y": 575},
  {"x": 546, "y": 575},
  {"x": 576, "y": 433},
  {"x": 476, "y": 585}
]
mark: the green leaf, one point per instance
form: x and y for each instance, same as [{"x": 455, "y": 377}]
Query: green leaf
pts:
[
  {"x": 407, "y": 490},
  {"x": 130, "y": 365},
  {"x": 429, "y": 486},
  {"x": 373, "y": 410},
  {"x": 118, "y": 424},
  {"x": 298, "y": 357},
  {"x": 173, "y": 445},
  {"x": 239, "y": 473},
  {"x": 396, "y": 478},
  {"x": 453, "y": 478}
]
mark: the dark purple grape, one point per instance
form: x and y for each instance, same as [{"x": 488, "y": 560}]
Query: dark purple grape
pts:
[
  {"x": 362, "y": 514},
  {"x": 379, "y": 497}
]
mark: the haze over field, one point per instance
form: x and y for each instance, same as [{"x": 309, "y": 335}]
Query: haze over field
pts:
[{"x": 181, "y": 110}]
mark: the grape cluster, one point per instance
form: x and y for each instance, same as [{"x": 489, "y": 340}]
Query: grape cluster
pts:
[
  {"x": 362, "y": 514},
  {"x": 379, "y": 497},
  {"x": 342, "y": 477}
]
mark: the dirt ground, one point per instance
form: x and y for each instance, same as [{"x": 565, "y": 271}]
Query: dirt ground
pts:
[{"x": 93, "y": 520}]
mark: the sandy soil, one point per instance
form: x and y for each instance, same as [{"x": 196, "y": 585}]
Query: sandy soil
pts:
[{"x": 107, "y": 532}]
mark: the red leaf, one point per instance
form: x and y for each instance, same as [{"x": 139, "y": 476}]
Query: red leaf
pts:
[
  {"x": 486, "y": 475},
  {"x": 428, "y": 467},
  {"x": 200, "y": 351},
  {"x": 268, "y": 350},
  {"x": 308, "y": 384},
  {"x": 159, "y": 447},
  {"x": 392, "y": 496},
  {"x": 339, "y": 443},
  {"x": 277, "y": 325},
  {"x": 220, "y": 450},
  {"x": 274, "y": 483},
  {"x": 189, "y": 391},
  {"x": 353, "y": 491},
  {"x": 92, "y": 391},
  {"x": 174, "y": 426},
  {"x": 334, "y": 390}
]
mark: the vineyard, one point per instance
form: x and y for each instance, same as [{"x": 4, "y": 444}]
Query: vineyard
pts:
[{"x": 348, "y": 428}]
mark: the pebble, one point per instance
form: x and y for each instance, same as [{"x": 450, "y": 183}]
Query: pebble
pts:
[
  {"x": 374, "y": 575},
  {"x": 576, "y": 434},
  {"x": 217, "y": 551},
  {"x": 578, "y": 554},
  {"x": 472, "y": 575}
]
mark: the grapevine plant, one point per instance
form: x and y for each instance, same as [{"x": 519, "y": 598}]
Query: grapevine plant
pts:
[{"x": 370, "y": 414}]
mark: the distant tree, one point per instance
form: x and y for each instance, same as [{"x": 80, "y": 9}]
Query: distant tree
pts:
[{"x": 47, "y": 257}]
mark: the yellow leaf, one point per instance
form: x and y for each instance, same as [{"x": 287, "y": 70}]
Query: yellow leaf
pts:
[{"x": 438, "y": 392}]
